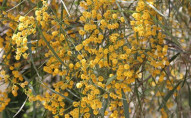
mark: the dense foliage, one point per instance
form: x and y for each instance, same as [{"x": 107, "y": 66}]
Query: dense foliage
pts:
[{"x": 95, "y": 58}]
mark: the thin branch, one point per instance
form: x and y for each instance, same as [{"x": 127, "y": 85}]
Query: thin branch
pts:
[
  {"x": 65, "y": 7},
  {"x": 15, "y": 6}
]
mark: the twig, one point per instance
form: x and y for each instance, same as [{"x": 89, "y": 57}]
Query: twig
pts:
[
  {"x": 15, "y": 6},
  {"x": 65, "y": 7}
]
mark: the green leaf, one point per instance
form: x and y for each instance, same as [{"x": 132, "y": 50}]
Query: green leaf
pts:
[
  {"x": 168, "y": 96},
  {"x": 137, "y": 92},
  {"x": 185, "y": 77},
  {"x": 174, "y": 57},
  {"x": 30, "y": 47},
  {"x": 125, "y": 105},
  {"x": 4, "y": 4},
  {"x": 189, "y": 96},
  {"x": 111, "y": 79},
  {"x": 137, "y": 35},
  {"x": 105, "y": 103},
  {"x": 73, "y": 93}
]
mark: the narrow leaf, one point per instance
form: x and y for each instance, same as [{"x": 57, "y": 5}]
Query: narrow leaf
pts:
[
  {"x": 105, "y": 103},
  {"x": 168, "y": 96},
  {"x": 137, "y": 92},
  {"x": 189, "y": 96},
  {"x": 185, "y": 76},
  {"x": 174, "y": 57},
  {"x": 125, "y": 105},
  {"x": 4, "y": 4},
  {"x": 111, "y": 79}
]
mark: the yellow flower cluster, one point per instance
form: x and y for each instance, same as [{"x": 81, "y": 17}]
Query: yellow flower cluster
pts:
[
  {"x": 26, "y": 27},
  {"x": 149, "y": 37},
  {"x": 4, "y": 100},
  {"x": 42, "y": 16}
]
